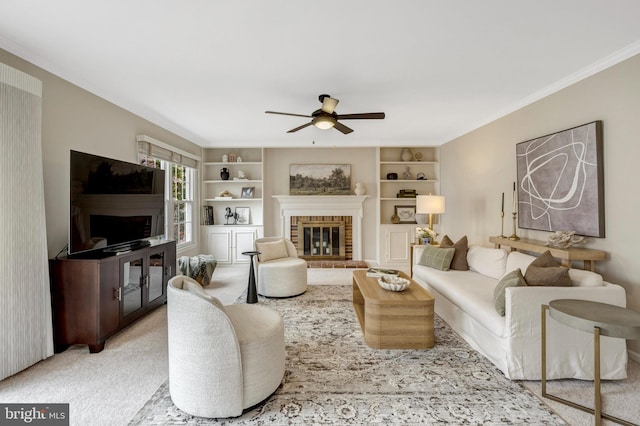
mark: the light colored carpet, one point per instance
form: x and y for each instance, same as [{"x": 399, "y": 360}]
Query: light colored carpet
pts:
[
  {"x": 332, "y": 377},
  {"x": 109, "y": 388}
]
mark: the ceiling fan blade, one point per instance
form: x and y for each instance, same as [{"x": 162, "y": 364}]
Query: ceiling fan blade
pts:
[
  {"x": 287, "y": 113},
  {"x": 362, "y": 116},
  {"x": 341, "y": 127},
  {"x": 329, "y": 104},
  {"x": 300, "y": 127}
]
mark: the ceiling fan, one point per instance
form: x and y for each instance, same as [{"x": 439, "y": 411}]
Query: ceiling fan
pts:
[{"x": 326, "y": 118}]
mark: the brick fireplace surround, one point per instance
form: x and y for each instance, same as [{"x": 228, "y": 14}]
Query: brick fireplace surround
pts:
[{"x": 326, "y": 208}]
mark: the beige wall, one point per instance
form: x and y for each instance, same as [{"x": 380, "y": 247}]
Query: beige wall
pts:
[
  {"x": 363, "y": 169},
  {"x": 476, "y": 168},
  {"x": 73, "y": 118}
]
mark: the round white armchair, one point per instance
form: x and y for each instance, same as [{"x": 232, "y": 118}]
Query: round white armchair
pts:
[
  {"x": 280, "y": 272},
  {"x": 222, "y": 359}
]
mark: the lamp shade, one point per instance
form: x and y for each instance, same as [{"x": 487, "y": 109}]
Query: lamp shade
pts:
[{"x": 430, "y": 204}]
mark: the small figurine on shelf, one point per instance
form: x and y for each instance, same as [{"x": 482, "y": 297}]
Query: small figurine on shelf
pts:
[
  {"x": 230, "y": 215},
  {"x": 232, "y": 158},
  {"x": 407, "y": 175}
]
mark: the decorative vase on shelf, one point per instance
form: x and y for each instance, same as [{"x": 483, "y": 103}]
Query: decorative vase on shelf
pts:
[
  {"x": 224, "y": 173},
  {"x": 406, "y": 155},
  {"x": 359, "y": 189},
  {"x": 426, "y": 240}
]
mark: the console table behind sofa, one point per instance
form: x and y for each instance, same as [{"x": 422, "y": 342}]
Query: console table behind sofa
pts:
[{"x": 566, "y": 255}]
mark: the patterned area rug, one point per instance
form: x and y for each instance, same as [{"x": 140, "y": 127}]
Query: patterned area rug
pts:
[{"x": 333, "y": 377}]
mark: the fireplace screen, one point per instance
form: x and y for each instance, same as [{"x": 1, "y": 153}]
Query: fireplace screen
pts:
[{"x": 321, "y": 240}]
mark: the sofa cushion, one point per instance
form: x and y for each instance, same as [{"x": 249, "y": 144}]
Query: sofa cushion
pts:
[
  {"x": 272, "y": 250},
  {"x": 517, "y": 259},
  {"x": 581, "y": 278},
  {"x": 545, "y": 271},
  {"x": 510, "y": 279},
  {"x": 438, "y": 258},
  {"x": 490, "y": 262},
  {"x": 459, "y": 261},
  {"x": 470, "y": 291}
]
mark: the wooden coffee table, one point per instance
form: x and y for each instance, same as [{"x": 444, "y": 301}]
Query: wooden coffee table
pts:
[{"x": 393, "y": 319}]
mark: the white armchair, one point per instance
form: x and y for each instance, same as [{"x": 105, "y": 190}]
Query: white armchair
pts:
[
  {"x": 279, "y": 270},
  {"x": 222, "y": 359}
]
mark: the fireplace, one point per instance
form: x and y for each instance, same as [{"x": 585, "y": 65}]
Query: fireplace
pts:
[
  {"x": 321, "y": 238},
  {"x": 328, "y": 208}
]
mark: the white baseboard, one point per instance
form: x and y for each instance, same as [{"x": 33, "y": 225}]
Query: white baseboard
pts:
[{"x": 635, "y": 356}]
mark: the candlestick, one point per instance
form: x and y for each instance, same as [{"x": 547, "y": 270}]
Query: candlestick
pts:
[
  {"x": 513, "y": 236},
  {"x": 515, "y": 205},
  {"x": 502, "y": 218}
]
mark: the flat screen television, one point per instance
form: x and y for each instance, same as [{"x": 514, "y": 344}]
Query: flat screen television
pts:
[{"x": 114, "y": 205}]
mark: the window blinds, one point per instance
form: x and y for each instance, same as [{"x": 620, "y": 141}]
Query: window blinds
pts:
[{"x": 148, "y": 146}]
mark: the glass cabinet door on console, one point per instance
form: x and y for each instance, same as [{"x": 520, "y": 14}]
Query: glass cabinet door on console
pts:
[
  {"x": 131, "y": 293},
  {"x": 157, "y": 269}
]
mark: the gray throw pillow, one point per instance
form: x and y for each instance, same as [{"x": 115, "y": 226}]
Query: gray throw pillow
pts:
[
  {"x": 512, "y": 279},
  {"x": 437, "y": 258}
]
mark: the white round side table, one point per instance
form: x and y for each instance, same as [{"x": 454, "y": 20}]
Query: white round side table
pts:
[{"x": 601, "y": 319}]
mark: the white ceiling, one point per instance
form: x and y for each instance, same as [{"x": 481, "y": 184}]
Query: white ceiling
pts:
[{"x": 207, "y": 70}]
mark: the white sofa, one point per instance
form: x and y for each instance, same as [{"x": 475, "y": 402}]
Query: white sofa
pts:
[{"x": 464, "y": 299}]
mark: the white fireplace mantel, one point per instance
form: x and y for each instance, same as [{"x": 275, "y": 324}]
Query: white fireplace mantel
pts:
[{"x": 325, "y": 205}]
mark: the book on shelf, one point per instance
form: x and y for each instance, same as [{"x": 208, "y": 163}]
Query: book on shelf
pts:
[
  {"x": 207, "y": 215},
  {"x": 379, "y": 272}
]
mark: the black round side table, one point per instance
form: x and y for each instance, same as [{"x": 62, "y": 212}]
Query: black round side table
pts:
[{"x": 252, "y": 291}]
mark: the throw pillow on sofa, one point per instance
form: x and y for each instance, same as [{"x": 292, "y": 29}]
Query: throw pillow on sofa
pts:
[
  {"x": 545, "y": 271},
  {"x": 511, "y": 279},
  {"x": 459, "y": 261},
  {"x": 437, "y": 258}
]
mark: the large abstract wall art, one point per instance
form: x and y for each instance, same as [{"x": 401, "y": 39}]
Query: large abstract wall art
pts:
[{"x": 560, "y": 181}]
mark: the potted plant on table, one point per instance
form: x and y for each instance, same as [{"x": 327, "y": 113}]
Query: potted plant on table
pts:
[{"x": 425, "y": 235}]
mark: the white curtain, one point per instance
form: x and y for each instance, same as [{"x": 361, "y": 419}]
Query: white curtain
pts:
[{"x": 26, "y": 334}]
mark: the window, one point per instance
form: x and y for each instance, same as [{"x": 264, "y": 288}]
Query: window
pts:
[
  {"x": 181, "y": 202},
  {"x": 180, "y": 168}
]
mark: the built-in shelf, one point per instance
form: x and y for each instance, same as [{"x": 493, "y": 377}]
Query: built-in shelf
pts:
[{"x": 212, "y": 184}]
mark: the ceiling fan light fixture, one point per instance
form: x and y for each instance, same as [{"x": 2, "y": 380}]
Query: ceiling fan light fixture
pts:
[{"x": 324, "y": 122}]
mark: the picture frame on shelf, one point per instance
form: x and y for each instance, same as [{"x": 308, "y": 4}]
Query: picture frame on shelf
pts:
[
  {"x": 243, "y": 215},
  {"x": 247, "y": 192},
  {"x": 407, "y": 214}
]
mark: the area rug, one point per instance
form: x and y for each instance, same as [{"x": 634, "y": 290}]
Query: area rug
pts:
[{"x": 333, "y": 377}]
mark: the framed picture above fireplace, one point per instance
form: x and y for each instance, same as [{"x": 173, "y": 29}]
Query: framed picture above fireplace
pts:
[{"x": 320, "y": 179}]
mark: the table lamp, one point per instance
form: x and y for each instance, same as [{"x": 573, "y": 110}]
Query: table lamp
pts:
[{"x": 430, "y": 204}]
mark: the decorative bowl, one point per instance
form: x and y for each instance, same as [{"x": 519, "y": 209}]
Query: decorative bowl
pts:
[{"x": 393, "y": 283}]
